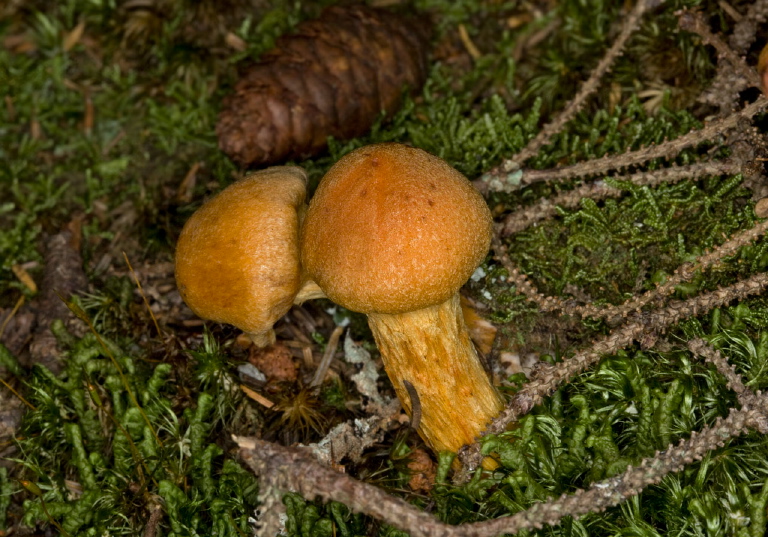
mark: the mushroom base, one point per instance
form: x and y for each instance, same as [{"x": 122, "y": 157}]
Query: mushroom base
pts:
[
  {"x": 431, "y": 349},
  {"x": 262, "y": 339}
]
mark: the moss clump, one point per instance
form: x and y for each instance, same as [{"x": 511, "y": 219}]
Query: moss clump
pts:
[{"x": 123, "y": 447}]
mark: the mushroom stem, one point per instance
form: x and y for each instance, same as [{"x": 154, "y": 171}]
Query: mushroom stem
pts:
[
  {"x": 309, "y": 290},
  {"x": 262, "y": 339},
  {"x": 431, "y": 349}
]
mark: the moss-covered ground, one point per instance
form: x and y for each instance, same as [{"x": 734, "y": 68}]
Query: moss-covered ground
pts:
[{"x": 108, "y": 106}]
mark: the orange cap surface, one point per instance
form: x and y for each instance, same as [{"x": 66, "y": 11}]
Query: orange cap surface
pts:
[
  {"x": 237, "y": 258},
  {"x": 392, "y": 229}
]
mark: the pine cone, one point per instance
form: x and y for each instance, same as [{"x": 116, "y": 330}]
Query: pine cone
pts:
[{"x": 333, "y": 77}]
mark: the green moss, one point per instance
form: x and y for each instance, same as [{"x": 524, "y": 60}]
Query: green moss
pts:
[{"x": 85, "y": 424}]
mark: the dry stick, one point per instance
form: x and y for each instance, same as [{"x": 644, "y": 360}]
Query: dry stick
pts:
[
  {"x": 325, "y": 363},
  {"x": 548, "y": 378},
  {"x": 573, "y": 107},
  {"x": 156, "y": 514},
  {"x": 733, "y": 75},
  {"x": 747, "y": 398},
  {"x": 522, "y": 285},
  {"x": 613, "y": 491},
  {"x": 612, "y": 313},
  {"x": 694, "y": 22},
  {"x": 745, "y": 31},
  {"x": 295, "y": 469},
  {"x": 284, "y": 469},
  {"x": 699, "y": 347},
  {"x": 630, "y": 158},
  {"x": 683, "y": 274},
  {"x": 547, "y": 207}
]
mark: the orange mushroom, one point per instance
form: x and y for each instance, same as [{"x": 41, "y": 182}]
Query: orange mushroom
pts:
[
  {"x": 394, "y": 232},
  {"x": 237, "y": 258}
]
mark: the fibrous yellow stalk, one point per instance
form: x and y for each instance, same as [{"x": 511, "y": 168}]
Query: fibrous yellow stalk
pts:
[{"x": 431, "y": 349}]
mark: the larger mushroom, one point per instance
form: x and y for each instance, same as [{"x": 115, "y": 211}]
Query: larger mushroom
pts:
[
  {"x": 237, "y": 258},
  {"x": 394, "y": 232}
]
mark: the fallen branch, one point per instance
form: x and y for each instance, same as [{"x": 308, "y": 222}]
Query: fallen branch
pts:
[
  {"x": 502, "y": 180},
  {"x": 291, "y": 469},
  {"x": 547, "y": 207},
  {"x": 747, "y": 398},
  {"x": 642, "y": 327},
  {"x": 694, "y": 22},
  {"x": 615, "y": 313},
  {"x": 631, "y": 24}
]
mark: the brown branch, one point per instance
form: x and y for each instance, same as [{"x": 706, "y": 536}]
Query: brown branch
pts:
[
  {"x": 747, "y": 398},
  {"x": 694, "y": 22},
  {"x": 683, "y": 274},
  {"x": 615, "y": 313},
  {"x": 547, "y": 207},
  {"x": 510, "y": 180},
  {"x": 294, "y": 469},
  {"x": 588, "y": 88},
  {"x": 569, "y": 112},
  {"x": 522, "y": 285},
  {"x": 700, "y": 348},
  {"x": 610, "y": 492},
  {"x": 732, "y": 75},
  {"x": 642, "y": 327}
]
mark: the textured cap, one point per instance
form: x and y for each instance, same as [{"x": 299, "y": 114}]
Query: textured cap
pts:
[
  {"x": 392, "y": 229},
  {"x": 237, "y": 259}
]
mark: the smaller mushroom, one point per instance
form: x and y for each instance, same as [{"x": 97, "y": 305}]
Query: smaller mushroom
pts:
[{"x": 237, "y": 258}]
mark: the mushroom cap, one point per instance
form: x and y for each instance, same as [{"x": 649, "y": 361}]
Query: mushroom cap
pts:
[
  {"x": 237, "y": 258},
  {"x": 392, "y": 228}
]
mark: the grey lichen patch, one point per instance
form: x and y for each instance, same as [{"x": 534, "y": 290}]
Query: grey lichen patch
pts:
[{"x": 367, "y": 378}]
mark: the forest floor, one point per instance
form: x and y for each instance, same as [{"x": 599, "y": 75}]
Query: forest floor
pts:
[{"x": 621, "y": 149}]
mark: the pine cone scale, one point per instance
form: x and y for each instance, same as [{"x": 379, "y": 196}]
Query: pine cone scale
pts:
[{"x": 333, "y": 77}]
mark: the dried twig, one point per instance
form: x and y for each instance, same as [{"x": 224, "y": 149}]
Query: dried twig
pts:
[
  {"x": 699, "y": 347},
  {"x": 282, "y": 469},
  {"x": 588, "y": 88},
  {"x": 506, "y": 181},
  {"x": 613, "y": 491},
  {"x": 748, "y": 399},
  {"x": 694, "y": 22},
  {"x": 522, "y": 285},
  {"x": 614, "y": 313},
  {"x": 294, "y": 469},
  {"x": 683, "y": 274},
  {"x": 642, "y": 327},
  {"x": 547, "y": 207},
  {"x": 732, "y": 75}
]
